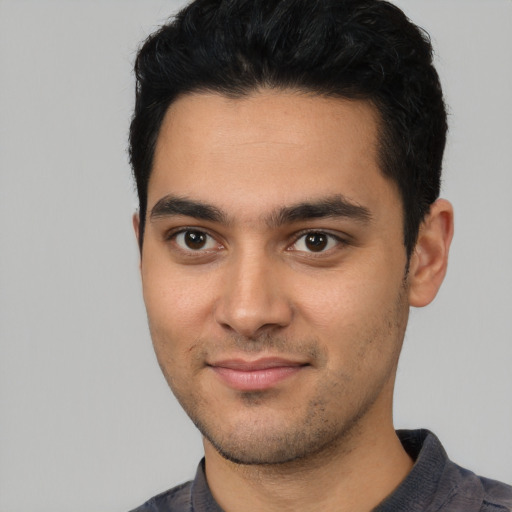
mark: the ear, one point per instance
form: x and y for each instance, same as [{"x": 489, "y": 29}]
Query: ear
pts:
[
  {"x": 136, "y": 227},
  {"x": 429, "y": 260}
]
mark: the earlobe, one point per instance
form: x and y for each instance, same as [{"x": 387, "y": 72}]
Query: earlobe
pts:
[{"x": 429, "y": 260}]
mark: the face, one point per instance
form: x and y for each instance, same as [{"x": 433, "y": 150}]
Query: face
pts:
[{"x": 273, "y": 271}]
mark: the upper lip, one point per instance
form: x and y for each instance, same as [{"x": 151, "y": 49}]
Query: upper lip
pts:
[{"x": 258, "y": 364}]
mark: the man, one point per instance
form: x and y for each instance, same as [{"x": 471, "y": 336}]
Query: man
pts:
[{"x": 287, "y": 156}]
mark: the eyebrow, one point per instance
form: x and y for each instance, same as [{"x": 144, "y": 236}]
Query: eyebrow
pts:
[
  {"x": 170, "y": 206},
  {"x": 331, "y": 207}
]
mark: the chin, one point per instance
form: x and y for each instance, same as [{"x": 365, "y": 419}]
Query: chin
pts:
[{"x": 272, "y": 445}]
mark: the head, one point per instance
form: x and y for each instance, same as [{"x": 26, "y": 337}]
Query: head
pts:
[
  {"x": 364, "y": 49},
  {"x": 287, "y": 157}
]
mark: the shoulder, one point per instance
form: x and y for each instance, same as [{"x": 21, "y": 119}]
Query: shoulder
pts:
[
  {"x": 491, "y": 495},
  {"x": 497, "y": 495},
  {"x": 177, "y": 499},
  {"x": 437, "y": 484}
]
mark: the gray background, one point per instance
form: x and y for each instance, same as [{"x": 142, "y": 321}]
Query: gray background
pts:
[{"x": 86, "y": 420}]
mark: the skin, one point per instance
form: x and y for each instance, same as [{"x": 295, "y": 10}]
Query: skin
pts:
[{"x": 229, "y": 275}]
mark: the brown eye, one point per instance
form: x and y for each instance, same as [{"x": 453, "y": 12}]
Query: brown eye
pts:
[
  {"x": 194, "y": 240},
  {"x": 316, "y": 242}
]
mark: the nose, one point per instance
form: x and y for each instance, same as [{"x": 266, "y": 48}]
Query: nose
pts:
[{"x": 253, "y": 297}]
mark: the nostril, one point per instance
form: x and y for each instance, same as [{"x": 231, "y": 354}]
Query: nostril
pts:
[{"x": 250, "y": 322}]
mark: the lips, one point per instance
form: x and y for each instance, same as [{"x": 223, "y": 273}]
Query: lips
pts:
[{"x": 255, "y": 375}]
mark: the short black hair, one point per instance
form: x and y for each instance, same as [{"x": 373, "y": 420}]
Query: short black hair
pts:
[{"x": 356, "y": 49}]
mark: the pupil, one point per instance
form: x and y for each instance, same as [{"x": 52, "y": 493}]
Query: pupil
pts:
[
  {"x": 195, "y": 239},
  {"x": 316, "y": 242}
]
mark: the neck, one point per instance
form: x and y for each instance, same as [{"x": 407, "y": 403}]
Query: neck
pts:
[{"x": 335, "y": 480}]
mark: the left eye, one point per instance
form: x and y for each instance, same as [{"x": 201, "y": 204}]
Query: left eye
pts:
[
  {"x": 315, "y": 242},
  {"x": 194, "y": 240}
]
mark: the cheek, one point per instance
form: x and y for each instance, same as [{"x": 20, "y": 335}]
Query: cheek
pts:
[
  {"x": 176, "y": 304},
  {"x": 174, "y": 323},
  {"x": 344, "y": 297},
  {"x": 358, "y": 316}
]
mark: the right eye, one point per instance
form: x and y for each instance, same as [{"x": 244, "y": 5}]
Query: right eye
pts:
[{"x": 194, "y": 240}]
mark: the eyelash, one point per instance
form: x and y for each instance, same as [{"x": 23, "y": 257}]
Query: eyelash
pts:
[
  {"x": 173, "y": 235},
  {"x": 339, "y": 243}
]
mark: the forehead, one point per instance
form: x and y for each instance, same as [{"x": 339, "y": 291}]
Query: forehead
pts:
[{"x": 267, "y": 149}]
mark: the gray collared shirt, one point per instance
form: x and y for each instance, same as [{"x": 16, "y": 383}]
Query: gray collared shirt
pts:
[{"x": 435, "y": 484}]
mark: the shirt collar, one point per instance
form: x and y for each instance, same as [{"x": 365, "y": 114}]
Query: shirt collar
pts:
[
  {"x": 421, "y": 484},
  {"x": 413, "y": 494}
]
